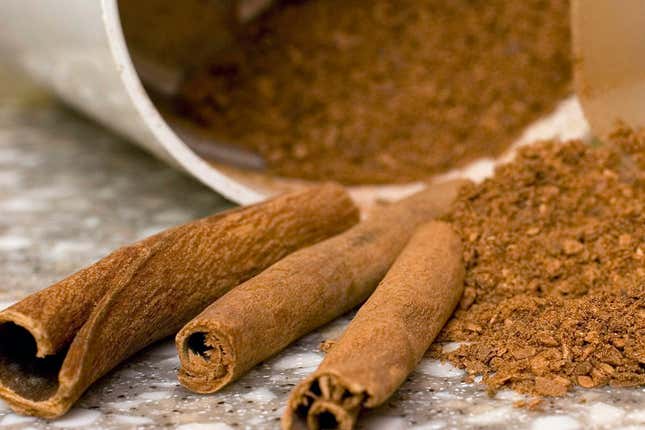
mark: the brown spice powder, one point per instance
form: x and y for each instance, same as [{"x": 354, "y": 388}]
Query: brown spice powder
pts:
[
  {"x": 554, "y": 246},
  {"x": 384, "y": 91}
]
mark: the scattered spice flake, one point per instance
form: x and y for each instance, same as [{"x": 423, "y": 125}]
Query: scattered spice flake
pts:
[
  {"x": 553, "y": 246},
  {"x": 534, "y": 404}
]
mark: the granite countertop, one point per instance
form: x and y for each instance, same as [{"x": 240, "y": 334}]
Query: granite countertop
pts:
[{"x": 71, "y": 191}]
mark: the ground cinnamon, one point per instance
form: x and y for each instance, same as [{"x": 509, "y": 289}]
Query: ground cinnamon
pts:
[
  {"x": 384, "y": 91},
  {"x": 300, "y": 292},
  {"x": 554, "y": 246},
  {"x": 388, "y": 336},
  {"x": 58, "y": 341}
]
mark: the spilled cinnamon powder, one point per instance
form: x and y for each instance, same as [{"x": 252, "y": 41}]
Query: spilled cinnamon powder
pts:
[
  {"x": 554, "y": 246},
  {"x": 384, "y": 91}
]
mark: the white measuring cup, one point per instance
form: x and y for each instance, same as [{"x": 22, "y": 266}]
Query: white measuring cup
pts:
[{"x": 78, "y": 50}]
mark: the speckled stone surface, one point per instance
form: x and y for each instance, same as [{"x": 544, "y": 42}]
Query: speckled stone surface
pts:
[{"x": 70, "y": 192}]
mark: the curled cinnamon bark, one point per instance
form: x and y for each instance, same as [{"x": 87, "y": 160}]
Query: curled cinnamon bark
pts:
[
  {"x": 299, "y": 293},
  {"x": 58, "y": 341},
  {"x": 388, "y": 336}
]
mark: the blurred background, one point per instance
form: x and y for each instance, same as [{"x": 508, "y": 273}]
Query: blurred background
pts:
[{"x": 71, "y": 191}]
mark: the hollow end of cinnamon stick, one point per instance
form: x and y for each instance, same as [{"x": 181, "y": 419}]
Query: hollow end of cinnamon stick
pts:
[
  {"x": 30, "y": 376},
  {"x": 325, "y": 414},
  {"x": 207, "y": 357},
  {"x": 324, "y": 402}
]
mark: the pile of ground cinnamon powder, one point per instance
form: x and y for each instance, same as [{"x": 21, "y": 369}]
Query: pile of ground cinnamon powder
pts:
[
  {"x": 384, "y": 90},
  {"x": 554, "y": 246}
]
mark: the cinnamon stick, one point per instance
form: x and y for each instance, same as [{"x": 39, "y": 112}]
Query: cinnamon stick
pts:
[
  {"x": 388, "y": 336},
  {"x": 56, "y": 342},
  {"x": 299, "y": 293}
]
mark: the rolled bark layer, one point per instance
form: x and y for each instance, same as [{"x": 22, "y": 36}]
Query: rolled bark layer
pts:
[
  {"x": 56, "y": 342},
  {"x": 299, "y": 293},
  {"x": 387, "y": 338}
]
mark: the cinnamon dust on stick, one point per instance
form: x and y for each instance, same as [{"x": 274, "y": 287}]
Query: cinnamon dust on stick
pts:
[
  {"x": 385, "y": 90},
  {"x": 554, "y": 246},
  {"x": 303, "y": 291},
  {"x": 388, "y": 336},
  {"x": 58, "y": 341}
]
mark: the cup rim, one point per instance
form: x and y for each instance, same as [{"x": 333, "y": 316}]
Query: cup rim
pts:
[{"x": 177, "y": 150}]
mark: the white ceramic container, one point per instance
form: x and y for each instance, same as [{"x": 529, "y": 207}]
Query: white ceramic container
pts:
[{"x": 76, "y": 48}]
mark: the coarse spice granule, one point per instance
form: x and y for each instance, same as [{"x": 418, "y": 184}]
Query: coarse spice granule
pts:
[
  {"x": 554, "y": 247},
  {"x": 383, "y": 91}
]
